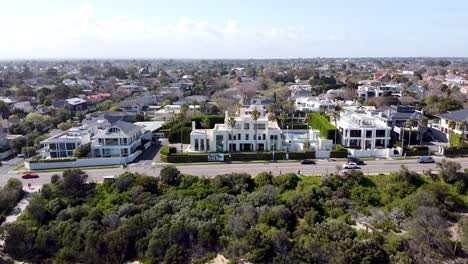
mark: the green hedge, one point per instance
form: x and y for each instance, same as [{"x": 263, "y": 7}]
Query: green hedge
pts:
[
  {"x": 166, "y": 150},
  {"x": 235, "y": 156},
  {"x": 51, "y": 160},
  {"x": 336, "y": 154},
  {"x": 416, "y": 151},
  {"x": 455, "y": 140},
  {"x": 456, "y": 151},
  {"x": 327, "y": 130}
]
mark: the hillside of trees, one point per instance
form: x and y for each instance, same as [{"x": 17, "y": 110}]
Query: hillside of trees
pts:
[{"x": 404, "y": 217}]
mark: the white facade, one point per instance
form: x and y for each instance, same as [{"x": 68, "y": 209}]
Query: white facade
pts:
[
  {"x": 362, "y": 130},
  {"x": 313, "y": 104},
  {"x": 63, "y": 144},
  {"x": 242, "y": 137},
  {"x": 119, "y": 140}
]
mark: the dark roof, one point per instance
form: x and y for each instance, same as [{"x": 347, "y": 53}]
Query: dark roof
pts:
[
  {"x": 457, "y": 116},
  {"x": 126, "y": 127},
  {"x": 113, "y": 117}
]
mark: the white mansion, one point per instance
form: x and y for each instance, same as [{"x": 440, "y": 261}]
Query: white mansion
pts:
[{"x": 250, "y": 135}]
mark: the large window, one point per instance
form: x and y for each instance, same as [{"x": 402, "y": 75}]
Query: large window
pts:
[
  {"x": 246, "y": 136},
  {"x": 355, "y": 133},
  {"x": 196, "y": 144},
  {"x": 219, "y": 142},
  {"x": 259, "y": 126},
  {"x": 380, "y": 133},
  {"x": 354, "y": 142},
  {"x": 202, "y": 144},
  {"x": 246, "y": 126},
  {"x": 368, "y": 133}
]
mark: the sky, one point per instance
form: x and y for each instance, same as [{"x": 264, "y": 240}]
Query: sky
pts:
[{"x": 216, "y": 29}]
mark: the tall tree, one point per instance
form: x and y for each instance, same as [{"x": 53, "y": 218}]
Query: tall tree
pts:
[
  {"x": 463, "y": 129},
  {"x": 335, "y": 116},
  {"x": 451, "y": 126},
  {"x": 410, "y": 124},
  {"x": 425, "y": 88},
  {"x": 283, "y": 117},
  {"x": 422, "y": 123},
  {"x": 255, "y": 115}
]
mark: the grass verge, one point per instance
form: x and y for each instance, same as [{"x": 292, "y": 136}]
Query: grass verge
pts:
[{"x": 81, "y": 168}]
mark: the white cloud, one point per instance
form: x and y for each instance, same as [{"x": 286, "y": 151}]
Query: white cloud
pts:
[{"x": 81, "y": 33}]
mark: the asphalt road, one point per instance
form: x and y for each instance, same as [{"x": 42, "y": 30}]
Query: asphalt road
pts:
[{"x": 321, "y": 168}]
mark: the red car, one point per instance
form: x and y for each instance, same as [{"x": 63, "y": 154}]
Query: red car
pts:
[{"x": 30, "y": 176}]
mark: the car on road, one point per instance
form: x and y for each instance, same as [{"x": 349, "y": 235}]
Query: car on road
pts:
[
  {"x": 350, "y": 165},
  {"x": 30, "y": 176},
  {"x": 307, "y": 161},
  {"x": 356, "y": 160},
  {"x": 425, "y": 159}
]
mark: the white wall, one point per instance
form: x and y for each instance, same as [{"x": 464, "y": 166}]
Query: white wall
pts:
[
  {"x": 82, "y": 162},
  {"x": 367, "y": 153}
]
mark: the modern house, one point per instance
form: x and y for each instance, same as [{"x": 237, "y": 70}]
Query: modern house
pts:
[
  {"x": 459, "y": 116},
  {"x": 313, "y": 104},
  {"x": 72, "y": 104},
  {"x": 63, "y": 144},
  {"x": 397, "y": 118},
  {"x": 359, "y": 129},
  {"x": 121, "y": 139}
]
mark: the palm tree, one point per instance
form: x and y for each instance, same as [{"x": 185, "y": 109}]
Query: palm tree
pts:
[
  {"x": 422, "y": 123},
  {"x": 182, "y": 115},
  {"x": 410, "y": 124},
  {"x": 425, "y": 86},
  {"x": 271, "y": 108},
  {"x": 335, "y": 116},
  {"x": 283, "y": 117},
  {"x": 272, "y": 117},
  {"x": 255, "y": 115},
  {"x": 451, "y": 126},
  {"x": 463, "y": 129},
  {"x": 231, "y": 124},
  {"x": 206, "y": 124}
]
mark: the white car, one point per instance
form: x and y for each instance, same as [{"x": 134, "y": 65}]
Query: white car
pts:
[{"x": 350, "y": 165}]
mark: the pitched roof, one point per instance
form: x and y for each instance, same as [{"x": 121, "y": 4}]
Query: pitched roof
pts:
[
  {"x": 126, "y": 127},
  {"x": 457, "y": 116}
]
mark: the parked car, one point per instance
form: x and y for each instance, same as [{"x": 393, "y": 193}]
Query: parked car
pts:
[
  {"x": 307, "y": 161},
  {"x": 30, "y": 176},
  {"x": 425, "y": 159},
  {"x": 20, "y": 155},
  {"x": 350, "y": 165},
  {"x": 356, "y": 160}
]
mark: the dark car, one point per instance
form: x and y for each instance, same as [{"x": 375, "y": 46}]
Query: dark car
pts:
[
  {"x": 306, "y": 161},
  {"x": 30, "y": 176},
  {"x": 356, "y": 160}
]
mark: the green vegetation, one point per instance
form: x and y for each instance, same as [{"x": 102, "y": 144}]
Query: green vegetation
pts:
[
  {"x": 82, "y": 151},
  {"x": 320, "y": 122},
  {"x": 180, "y": 124},
  {"x": 397, "y": 218},
  {"x": 455, "y": 140},
  {"x": 10, "y": 196},
  {"x": 456, "y": 151},
  {"x": 168, "y": 154}
]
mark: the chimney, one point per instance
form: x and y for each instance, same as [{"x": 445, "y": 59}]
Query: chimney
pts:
[
  {"x": 193, "y": 125},
  {"x": 226, "y": 115}
]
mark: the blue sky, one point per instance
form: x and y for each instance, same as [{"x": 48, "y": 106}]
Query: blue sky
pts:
[{"x": 232, "y": 29}]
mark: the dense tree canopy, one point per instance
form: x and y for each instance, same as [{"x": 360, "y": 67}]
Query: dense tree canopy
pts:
[{"x": 350, "y": 218}]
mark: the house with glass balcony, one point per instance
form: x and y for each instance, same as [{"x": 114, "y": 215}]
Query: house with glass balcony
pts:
[
  {"x": 121, "y": 139},
  {"x": 363, "y": 130},
  {"x": 62, "y": 144}
]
